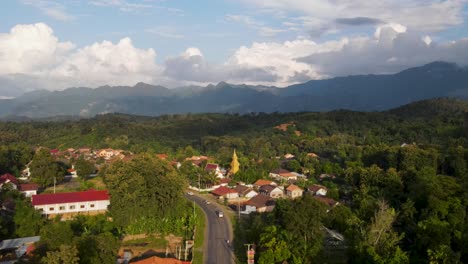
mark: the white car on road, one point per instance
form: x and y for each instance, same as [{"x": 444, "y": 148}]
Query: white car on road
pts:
[{"x": 220, "y": 214}]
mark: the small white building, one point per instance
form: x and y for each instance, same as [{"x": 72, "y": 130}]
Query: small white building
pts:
[
  {"x": 29, "y": 189},
  {"x": 318, "y": 190},
  {"x": 71, "y": 202}
]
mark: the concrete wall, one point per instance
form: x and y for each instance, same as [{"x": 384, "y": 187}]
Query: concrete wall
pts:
[{"x": 64, "y": 208}]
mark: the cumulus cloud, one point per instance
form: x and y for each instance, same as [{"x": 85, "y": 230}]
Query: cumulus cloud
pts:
[
  {"x": 191, "y": 66},
  {"x": 31, "y": 49},
  {"x": 392, "y": 48},
  {"x": 32, "y": 57},
  {"x": 33, "y": 52}
]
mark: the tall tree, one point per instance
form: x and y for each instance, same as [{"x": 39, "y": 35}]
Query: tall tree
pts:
[
  {"x": 28, "y": 221},
  {"x": 84, "y": 168},
  {"x": 143, "y": 187},
  {"x": 66, "y": 254},
  {"x": 44, "y": 169}
]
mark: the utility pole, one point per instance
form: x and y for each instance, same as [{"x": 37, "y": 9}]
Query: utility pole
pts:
[
  {"x": 199, "y": 187},
  {"x": 250, "y": 253},
  {"x": 238, "y": 207},
  {"x": 54, "y": 183}
]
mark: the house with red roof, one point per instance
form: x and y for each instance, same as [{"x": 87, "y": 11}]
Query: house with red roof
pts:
[
  {"x": 260, "y": 204},
  {"x": 293, "y": 191},
  {"x": 316, "y": 189},
  {"x": 262, "y": 182},
  {"x": 29, "y": 189},
  {"x": 271, "y": 191},
  {"x": 90, "y": 201},
  {"x": 7, "y": 178},
  {"x": 225, "y": 192},
  {"x": 283, "y": 175},
  {"x": 328, "y": 201},
  {"x": 158, "y": 260},
  {"x": 214, "y": 168},
  {"x": 245, "y": 191}
]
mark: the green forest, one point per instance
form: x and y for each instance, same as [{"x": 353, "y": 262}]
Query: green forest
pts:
[{"x": 401, "y": 178}]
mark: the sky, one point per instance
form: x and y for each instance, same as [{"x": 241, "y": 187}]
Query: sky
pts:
[{"x": 55, "y": 45}]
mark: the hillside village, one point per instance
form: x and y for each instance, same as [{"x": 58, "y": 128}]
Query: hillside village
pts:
[{"x": 243, "y": 198}]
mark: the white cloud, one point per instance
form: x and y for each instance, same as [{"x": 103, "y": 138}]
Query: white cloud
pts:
[
  {"x": 165, "y": 32},
  {"x": 122, "y": 5},
  {"x": 32, "y": 54},
  {"x": 32, "y": 57},
  {"x": 108, "y": 63},
  {"x": 31, "y": 49},
  {"x": 191, "y": 67},
  {"x": 262, "y": 29},
  {"x": 320, "y": 15},
  {"x": 390, "y": 50},
  {"x": 50, "y": 8}
]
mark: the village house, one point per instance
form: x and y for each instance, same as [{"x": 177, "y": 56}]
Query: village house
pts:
[
  {"x": 107, "y": 153},
  {"x": 214, "y": 168},
  {"x": 158, "y": 260},
  {"x": 312, "y": 155},
  {"x": 283, "y": 175},
  {"x": 328, "y": 201},
  {"x": 72, "y": 172},
  {"x": 326, "y": 176},
  {"x": 29, "y": 189},
  {"x": 293, "y": 191},
  {"x": 317, "y": 190},
  {"x": 162, "y": 156},
  {"x": 245, "y": 191},
  {"x": 224, "y": 182},
  {"x": 262, "y": 182},
  {"x": 18, "y": 246},
  {"x": 260, "y": 204},
  {"x": 271, "y": 191},
  {"x": 71, "y": 203},
  {"x": 9, "y": 179},
  {"x": 84, "y": 150},
  {"x": 197, "y": 160},
  {"x": 225, "y": 192}
]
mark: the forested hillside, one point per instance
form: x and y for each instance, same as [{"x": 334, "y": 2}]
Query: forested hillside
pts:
[
  {"x": 359, "y": 93},
  {"x": 401, "y": 175}
]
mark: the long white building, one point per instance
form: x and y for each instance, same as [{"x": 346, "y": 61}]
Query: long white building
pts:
[{"x": 71, "y": 202}]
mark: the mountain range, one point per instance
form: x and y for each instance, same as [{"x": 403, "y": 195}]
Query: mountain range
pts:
[{"x": 360, "y": 93}]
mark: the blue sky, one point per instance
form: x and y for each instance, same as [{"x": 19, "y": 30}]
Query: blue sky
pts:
[{"x": 182, "y": 42}]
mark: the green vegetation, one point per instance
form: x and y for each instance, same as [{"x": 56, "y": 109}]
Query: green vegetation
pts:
[
  {"x": 401, "y": 177},
  {"x": 199, "y": 236}
]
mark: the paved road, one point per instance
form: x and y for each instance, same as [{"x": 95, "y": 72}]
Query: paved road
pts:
[{"x": 217, "y": 231}]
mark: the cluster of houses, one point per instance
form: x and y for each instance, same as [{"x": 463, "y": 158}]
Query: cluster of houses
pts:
[
  {"x": 260, "y": 196},
  {"x": 28, "y": 189},
  {"x": 88, "y": 153}
]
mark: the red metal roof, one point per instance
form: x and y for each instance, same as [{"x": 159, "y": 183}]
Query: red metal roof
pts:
[
  {"x": 211, "y": 166},
  {"x": 29, "y": 187},
  {"x": 223, "y": 190},
  {"x": 70, "y": 197},
  {"x": 8, "y": 177},
  {"x": 158, "y": 260}
]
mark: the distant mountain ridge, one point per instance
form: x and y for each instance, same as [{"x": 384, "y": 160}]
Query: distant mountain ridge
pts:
[{"x": 360, "y": 92}]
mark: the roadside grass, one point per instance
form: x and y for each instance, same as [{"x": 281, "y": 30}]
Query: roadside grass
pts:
[
  {"x": 199, "y": 236},
  {"x": 150, "y": 242}
]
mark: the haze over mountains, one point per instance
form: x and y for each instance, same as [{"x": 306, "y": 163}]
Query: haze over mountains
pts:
[{"x": 361, "y": 92}]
